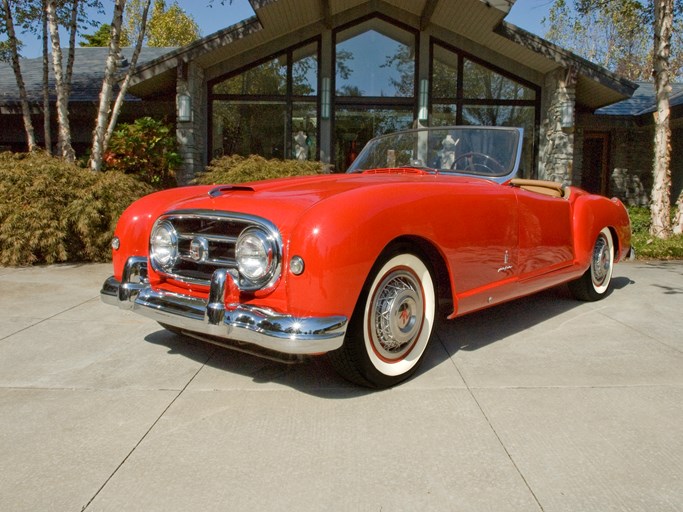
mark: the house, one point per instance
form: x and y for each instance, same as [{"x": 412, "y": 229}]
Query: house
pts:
[{"x": 316, "y": 79}]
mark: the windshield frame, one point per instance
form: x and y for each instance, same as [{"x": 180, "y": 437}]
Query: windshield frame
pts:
[{"x": 428, "y": 138}]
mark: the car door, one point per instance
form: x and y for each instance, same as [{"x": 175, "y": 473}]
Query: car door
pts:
[{"x": 545, "y": 234}]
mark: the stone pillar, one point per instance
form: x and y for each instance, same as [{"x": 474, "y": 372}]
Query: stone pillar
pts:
[
  {"x": 190, "y": 134},
  {"x": 556, "y": 142}
]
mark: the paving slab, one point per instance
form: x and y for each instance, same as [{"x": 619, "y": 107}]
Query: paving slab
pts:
[
  {"x": 544, "y": 403},
  {"x": 285, "y": 450},
  {"x": 594, "y": 449}
]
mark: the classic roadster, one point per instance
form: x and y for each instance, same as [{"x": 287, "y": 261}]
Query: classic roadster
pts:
[{"x": 358, "y": 266}]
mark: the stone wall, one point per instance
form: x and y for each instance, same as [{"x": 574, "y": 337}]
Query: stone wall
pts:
[{"x": 556, "y": 140}]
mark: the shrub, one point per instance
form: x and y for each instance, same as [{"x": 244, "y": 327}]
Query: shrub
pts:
[
  {"x": 239, "y": 169},
  {"x": 52, "y": 211},
  {"x": 146, "y": 148},
  {"x": 647, "y": 246}
]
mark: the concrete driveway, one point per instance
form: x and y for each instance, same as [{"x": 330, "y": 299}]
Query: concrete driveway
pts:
[{"x": 541, "y": 404}]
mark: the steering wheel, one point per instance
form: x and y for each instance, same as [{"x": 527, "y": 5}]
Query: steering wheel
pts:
[{"x": 478, "y": 162}]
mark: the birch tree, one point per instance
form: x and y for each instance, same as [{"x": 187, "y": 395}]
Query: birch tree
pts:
[
  {"x": 13, "y": 50},
  {"x": 106, "y": 115},
  {"x": 65, "y": 147},
  {"x": 661, "y": 187}
]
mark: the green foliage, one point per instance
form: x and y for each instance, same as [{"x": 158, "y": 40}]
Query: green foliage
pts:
[
  {"x": 146, "y": 148},
  {"x": 165, "y": 27},
  {"x": 617, "y": 34},
  {"x": 239, "y": 169},
  {"x": 102, "y": 37},
  {"x": 170, "y": 27},
  {"x": 647, "y": 246},
  {"x": 53, "y": 211}
]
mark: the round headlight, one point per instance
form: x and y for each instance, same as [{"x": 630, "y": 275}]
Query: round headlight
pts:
[
  {"x": 164, "y": 245},
  {"x": 255, "y": 253}
]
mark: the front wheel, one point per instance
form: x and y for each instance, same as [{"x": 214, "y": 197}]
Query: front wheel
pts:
[
  {"x": 391, "y": 326},
  {"x": 594, "y": 284}
]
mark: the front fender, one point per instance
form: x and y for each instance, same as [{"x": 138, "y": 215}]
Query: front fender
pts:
[
  {"x": 340, "y": 240},
  {"x": 136, "y": 222}
]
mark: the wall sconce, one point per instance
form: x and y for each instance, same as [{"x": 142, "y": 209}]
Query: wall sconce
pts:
[
  {"x": 184, "y": 110},
  {"x": 325, "y": 99},
  {"x": 567, "y": 116},
  {"x": 423, "y": 105}
]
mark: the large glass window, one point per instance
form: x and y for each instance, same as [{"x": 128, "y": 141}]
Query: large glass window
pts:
[
  {"x": 269, "y": 109},
  {"x": 468, "y": 92},
  {"x": 355, "y": 126},
  {"x": 374, "y": 89}
]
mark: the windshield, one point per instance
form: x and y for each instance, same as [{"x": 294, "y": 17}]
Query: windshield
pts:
[{"x": 491, "y": 152}]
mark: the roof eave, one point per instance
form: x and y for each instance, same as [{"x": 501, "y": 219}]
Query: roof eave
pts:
[{"x": 566, "y": 58}]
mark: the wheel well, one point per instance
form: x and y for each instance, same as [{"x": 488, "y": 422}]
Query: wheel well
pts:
[
  {"x": 434, "y": 260},
  {"x": 615, "y": 241}
]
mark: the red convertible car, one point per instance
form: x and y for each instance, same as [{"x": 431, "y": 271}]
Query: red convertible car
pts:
[{"x": 358, "y": 266}]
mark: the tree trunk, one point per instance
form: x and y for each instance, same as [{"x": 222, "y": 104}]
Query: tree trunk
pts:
[
  {"x": 678, "y": 221},
  {"x": 126, "y": 82},
  {"x": 107, "y": 88},
  {"x": 73, "y": 28},
  {"x": 661, "y": 187},
  {"x": 46, "y": 89},
  {"x": 23, "y": 98},
  {"x": 62, "y": 98}
]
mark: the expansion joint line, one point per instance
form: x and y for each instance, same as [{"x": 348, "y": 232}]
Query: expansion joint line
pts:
[
  {"x": 144, "y": 436},
  {"x": 490, "y": 424}
]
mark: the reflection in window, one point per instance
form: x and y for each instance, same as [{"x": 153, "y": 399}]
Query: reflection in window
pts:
[
  {"x": 355, "y": 126},
  {"x": 249, "y": 129},
  {"x": 304, "y": 132},
  {"x": 269, "y": 78},
  {"x": 305, "y": 70},
  {"x": 376, "y": 59},
  {"x": 481, "y": 96},
  {"x": 253, "y": 114},
  {"x": 445, "y": 73},
  {"x": 480, "y": 82},
  {"x": 502, "y": 115}
]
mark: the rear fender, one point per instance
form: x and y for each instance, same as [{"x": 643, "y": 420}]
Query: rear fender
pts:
[{"x": 592, "y": 213}]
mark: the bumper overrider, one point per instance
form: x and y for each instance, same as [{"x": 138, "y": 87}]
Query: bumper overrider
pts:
[{"x": 261, "y": 327}]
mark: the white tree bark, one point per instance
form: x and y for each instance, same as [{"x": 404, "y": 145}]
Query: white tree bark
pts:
[
  {"x": 46, "y": 91},
  {"x": 661, "y": 187},
  {"x": 62, "y": 93},
  {"x": 23, "y": 98},
  {"x": 123, "y": 89},
  {"x": 106, "y": 93}
]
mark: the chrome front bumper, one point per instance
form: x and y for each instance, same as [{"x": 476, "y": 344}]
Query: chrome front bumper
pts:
[{"x": 239, "y": 322}]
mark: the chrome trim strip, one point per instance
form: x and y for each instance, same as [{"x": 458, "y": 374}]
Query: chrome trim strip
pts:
[
  {"x": 210, "y": 238},
  {"x": 240, "y": 322}
]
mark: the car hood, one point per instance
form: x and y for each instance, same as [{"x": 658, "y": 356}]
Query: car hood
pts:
[{"x": 284, "y": 200}]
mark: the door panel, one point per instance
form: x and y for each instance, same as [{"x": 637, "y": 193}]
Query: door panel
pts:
[{"x": 545, "y": 234}]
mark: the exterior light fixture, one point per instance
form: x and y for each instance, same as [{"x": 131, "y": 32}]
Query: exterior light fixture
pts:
[
  {"x": 325, "y": 99},
  {"x": 423, "y": 107},
  {"x": 184, "y": 110}
]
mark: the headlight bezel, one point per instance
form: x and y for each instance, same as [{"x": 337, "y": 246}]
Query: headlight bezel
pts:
[
  {"x": 252, "y": 240},
  {"x": 166, "y": 263}
]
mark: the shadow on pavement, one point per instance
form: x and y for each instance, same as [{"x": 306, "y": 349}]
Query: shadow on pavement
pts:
[{"x": 316, "y": 376}]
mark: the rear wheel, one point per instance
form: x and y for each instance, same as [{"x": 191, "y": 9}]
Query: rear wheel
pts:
[
  {"x": 391, "y": 326},
  {"x": 595, "y": 282}
]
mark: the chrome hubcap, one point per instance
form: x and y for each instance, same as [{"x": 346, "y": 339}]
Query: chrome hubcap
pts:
[
  {"x": 602, "y": 261},
  {"x": 397, "y": 314}
]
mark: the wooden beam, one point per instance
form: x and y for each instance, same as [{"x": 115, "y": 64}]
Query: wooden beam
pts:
[
  {"x": 325, "y": 13},
  {"x": 427, "y": 13}
]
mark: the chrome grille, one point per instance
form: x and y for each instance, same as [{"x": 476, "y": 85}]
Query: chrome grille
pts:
[{"x": 220, "y": 231}]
